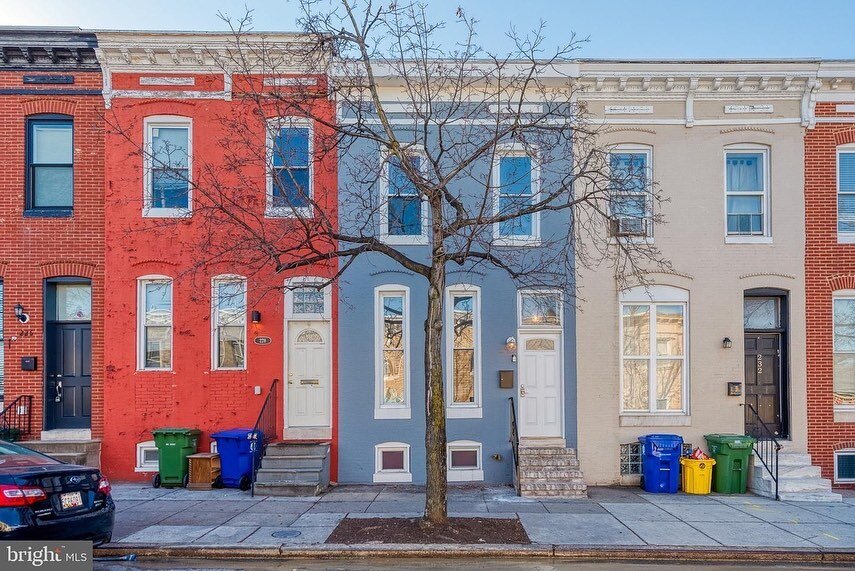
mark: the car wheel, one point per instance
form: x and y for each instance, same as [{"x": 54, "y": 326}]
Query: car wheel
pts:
[
  {"x": 244, "y": 483},
  {"x": 155, "y": 482}
]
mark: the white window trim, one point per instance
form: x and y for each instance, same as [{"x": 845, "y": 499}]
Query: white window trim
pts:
[
  {"x": 842, "y": 237},
  {"x": 653, "y": 296},
  {"x": 839, "y": 294},
  {"x": 272, "y": 128},
  {"x": 142, "y": 465},
  {"x": 400, "y": 476},
  {"x": 546, "y": 327},
  {"x": 463, "y": 410},
  {"x": 766, "y": 237},
  {"x": 420, "y": 240},
  {"x": 516, "y": 150},
  {"x": 299, "y": 281},
  {"x": 167, "y": 121},
  {"x": 842, "y": 480},
  {"x": 381, "y": 410},
  {"x": 465, "y": 474},
  {"x": 215, "y": 346},
  {"x": 646, "y": 150},
  {"x": 141, "y": 281}
]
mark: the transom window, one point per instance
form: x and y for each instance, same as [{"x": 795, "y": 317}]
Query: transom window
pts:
[
  {"x": 747, "y": 192},
  {"x": 762, "y": 313},
  {"x": 631, "y": 205},
  {"x": 540, "y": 308},
  {"x": 516, "y": 177},
  {"x": 229, "y": 307},
  {"x": 844, "y": 349},
  {"x": 73, "y": 302},
  {"x": 404, "y": 209},
  {"x": 653, "y": 351},
  {"x": 50, "y": 163},
  {"x": 846, "y": 192},
  {"x": 167, "y": 191},
  {"x": 289, "y": 179},
  {"x": 308, "y": 300},
  {"x": 155, "y": 323},
  {"x": 392, "y": 342}
]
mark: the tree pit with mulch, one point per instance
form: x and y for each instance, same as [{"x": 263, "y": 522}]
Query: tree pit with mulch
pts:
[{"x": 458, "y": 530}]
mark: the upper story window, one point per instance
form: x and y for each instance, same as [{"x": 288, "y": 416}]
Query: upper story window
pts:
[
  {"x": 168, "y": 159},
  {"x": 155, "y": 323},
  {"x": 404, "y": 221},
  {"x": 747, "y": 193},
  {"x": 846, "y": 194},
  {"x": 463, "y": 330},
  {"x": 516, "y": 177},
  {"x": 654, "y": 330},
  {"x": 844, "y": 349},
  {"x": 50, "y": 164},
  {"x": 631, "y": 205},
  {"x": 392, "y": 354},
  {"x": 289, "y": 176},
  {"x": 229, "y": 319}
]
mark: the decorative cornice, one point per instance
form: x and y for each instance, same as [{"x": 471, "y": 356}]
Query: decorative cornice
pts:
[
  {"x": 746, "y": 128},
  {"x": 767, "y": 274},
  {"x": 155, "y": 261},
  {"x": 632, "y": 129}
]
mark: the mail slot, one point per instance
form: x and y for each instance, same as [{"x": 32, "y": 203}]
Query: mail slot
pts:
[{"x": 310, "y": 382}]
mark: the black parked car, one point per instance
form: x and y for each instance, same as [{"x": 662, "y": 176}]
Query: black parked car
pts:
[{"x": 43, "y": 498}]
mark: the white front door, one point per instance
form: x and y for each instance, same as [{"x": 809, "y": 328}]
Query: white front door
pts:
[
  {"x": 308, "y": 388},
  {"x": 540, "y": 385}
]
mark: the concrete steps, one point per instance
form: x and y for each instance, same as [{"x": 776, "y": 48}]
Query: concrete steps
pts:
[
  {"x": 83, "y": 452},
  {"x": 798, "y": 480},
  {"x": 294, "y": 469},
  {"x": 548, "y": 472}
]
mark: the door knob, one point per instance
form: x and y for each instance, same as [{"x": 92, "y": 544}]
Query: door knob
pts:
[{"x": 522, "y": 390}]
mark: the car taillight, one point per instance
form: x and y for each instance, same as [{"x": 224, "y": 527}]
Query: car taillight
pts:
[
  {"x": 104, "y": 485},
  {"x": 16, "y": 496}
]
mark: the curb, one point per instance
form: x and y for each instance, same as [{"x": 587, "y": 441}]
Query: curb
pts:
[{"x": 581, "y": 553}]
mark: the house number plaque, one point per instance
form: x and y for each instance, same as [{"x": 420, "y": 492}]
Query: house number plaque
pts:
[{"x": 262, "y": 340}]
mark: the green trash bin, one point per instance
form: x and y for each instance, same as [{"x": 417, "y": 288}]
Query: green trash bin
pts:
[
  {"x": 174, "y": 445},
  {"x": 732, "y": 453}
]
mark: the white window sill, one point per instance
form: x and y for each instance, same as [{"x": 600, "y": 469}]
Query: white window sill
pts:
[
  {"x": 167, "y": 213},
  {"x": 655, "y": 420},
  {"x": 154, "y": 370},
  {"x": 521, "y": 241},
  {"x": 148, "y": 469},
  {"x": 844, "y": 414},
  {"x": 404, "y": 240},
  {"x": 399, "y": 477},
  {"x": 392, "y": 413},
  {"x": 844, "y": 238},
  {"x": 464, "y": 412},
  {"x": 294, "y": 213},
  {"x": 747, "y": 239},
  {"x": 228, "y": 369},
  {"x": 465, "y": 475},
  {"x": 631, "y": 239}
]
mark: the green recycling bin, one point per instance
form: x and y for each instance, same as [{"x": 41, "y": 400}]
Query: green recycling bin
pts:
[
  {"x": 174, "y": 445},
  {"x": 732, "y": 453}
]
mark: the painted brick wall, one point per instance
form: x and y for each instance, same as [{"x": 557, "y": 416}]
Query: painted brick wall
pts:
[
  {"x": 32, "y": 249},
  {"x": 829, "y": 266}
]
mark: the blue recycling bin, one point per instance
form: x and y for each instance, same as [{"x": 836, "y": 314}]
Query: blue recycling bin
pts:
[
  {"x": 240, "y": 453},
  {"x": 660, "y": 462}
]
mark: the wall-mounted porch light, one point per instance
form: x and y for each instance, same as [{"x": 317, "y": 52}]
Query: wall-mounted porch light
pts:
[
  {"x": 726, "y": 343},
  {"x": 256, "y": 316},
  {"x": 19, "y": 313},
  {"x": 511, "y": 344}
]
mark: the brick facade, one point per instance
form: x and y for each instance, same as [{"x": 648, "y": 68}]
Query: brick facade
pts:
[{"x": 829, "y": 267}]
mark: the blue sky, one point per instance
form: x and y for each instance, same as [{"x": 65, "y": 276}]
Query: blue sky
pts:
[{"x": 617, "y": 28}]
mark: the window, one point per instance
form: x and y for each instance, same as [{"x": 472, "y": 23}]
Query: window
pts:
[
  {"x": 761, "y": 313},
  {"x": 463, "y": 342},
  {"x": 307, "y": 297},
  {"x": 747, "y": 192},
  {"x": 155, "y": 328},
  {"x": 844, "y": 466},
  {"x": 516, "y": 174},
  {"x": 167, "y": 166},
  {"x": 393, "y": 371},
  {"x": 147, "y": 457},
  {"x": 631, "y": 205},
  {"x": 653, "y": 350},
  {"x": 464, "y": 461},
  {"x": 630, "y": 459},
  {"x": 846, "y": 193},
  {"x": 289, "y": 177},
  {"x": 2, "y": 344},
  {"x": 844, "y": 349},
  {"x": 73, "y": 302},
  {"x": 229, "y": 320},
  {"x": 404, "y": 213},
  {"x": 540, "y": 308},
  {"x": 392, "y": 462},
  {"x": 50, "y": 163}
]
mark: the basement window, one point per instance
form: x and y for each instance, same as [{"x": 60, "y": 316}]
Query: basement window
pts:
[
  {"x": 147, "y": 457},
  {"x": 630, "y": 459},
  {"x": 392, "y": 462},
  {"x": 464, "y": 461},
  {"x": 844, "y": 466}
]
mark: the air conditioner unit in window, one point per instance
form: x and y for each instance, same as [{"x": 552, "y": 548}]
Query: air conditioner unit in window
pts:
[{"x": 629, "y": 226}]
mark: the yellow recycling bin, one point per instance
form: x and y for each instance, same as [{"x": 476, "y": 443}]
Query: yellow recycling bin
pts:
[{"x": 697, "y": 475}]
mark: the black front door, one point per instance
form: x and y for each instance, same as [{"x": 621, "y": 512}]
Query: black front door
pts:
[
  {"x": 763, "y": 381},
  {"x": 68, "y": 391}
]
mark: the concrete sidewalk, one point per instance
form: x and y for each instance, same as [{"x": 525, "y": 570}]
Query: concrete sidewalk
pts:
[{"x": 611, "y": 518}]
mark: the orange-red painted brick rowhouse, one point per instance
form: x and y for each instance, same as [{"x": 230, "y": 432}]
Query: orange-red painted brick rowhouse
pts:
[
  {"x": 829, "y": 271},
  {"x": 167, "y": 363},
  {"x": 52, "y": 245}
]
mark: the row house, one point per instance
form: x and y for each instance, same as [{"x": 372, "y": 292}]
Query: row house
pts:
[{"x": 52, "y": 246}]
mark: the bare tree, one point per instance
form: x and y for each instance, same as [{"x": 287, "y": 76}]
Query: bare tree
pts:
[{"x": 430, "y": 123}]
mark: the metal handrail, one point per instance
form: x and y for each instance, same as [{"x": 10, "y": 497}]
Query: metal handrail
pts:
[
  {"x": 17, "y": 417},
  {"x": 266, "y": 424},
  {"x": 515, "y": 442},
  {"x": 766, "y": 446}
]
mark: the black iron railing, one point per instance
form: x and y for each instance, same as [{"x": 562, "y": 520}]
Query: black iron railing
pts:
[
  {"x": 766, "y": 447},
  {"x": 266, "y": 425},
  {"x": 16, "y": 419},
  {"x": 515, "y": 443}
]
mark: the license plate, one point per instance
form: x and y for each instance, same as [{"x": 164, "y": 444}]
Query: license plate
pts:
[{"x": 71, "y": 500}]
